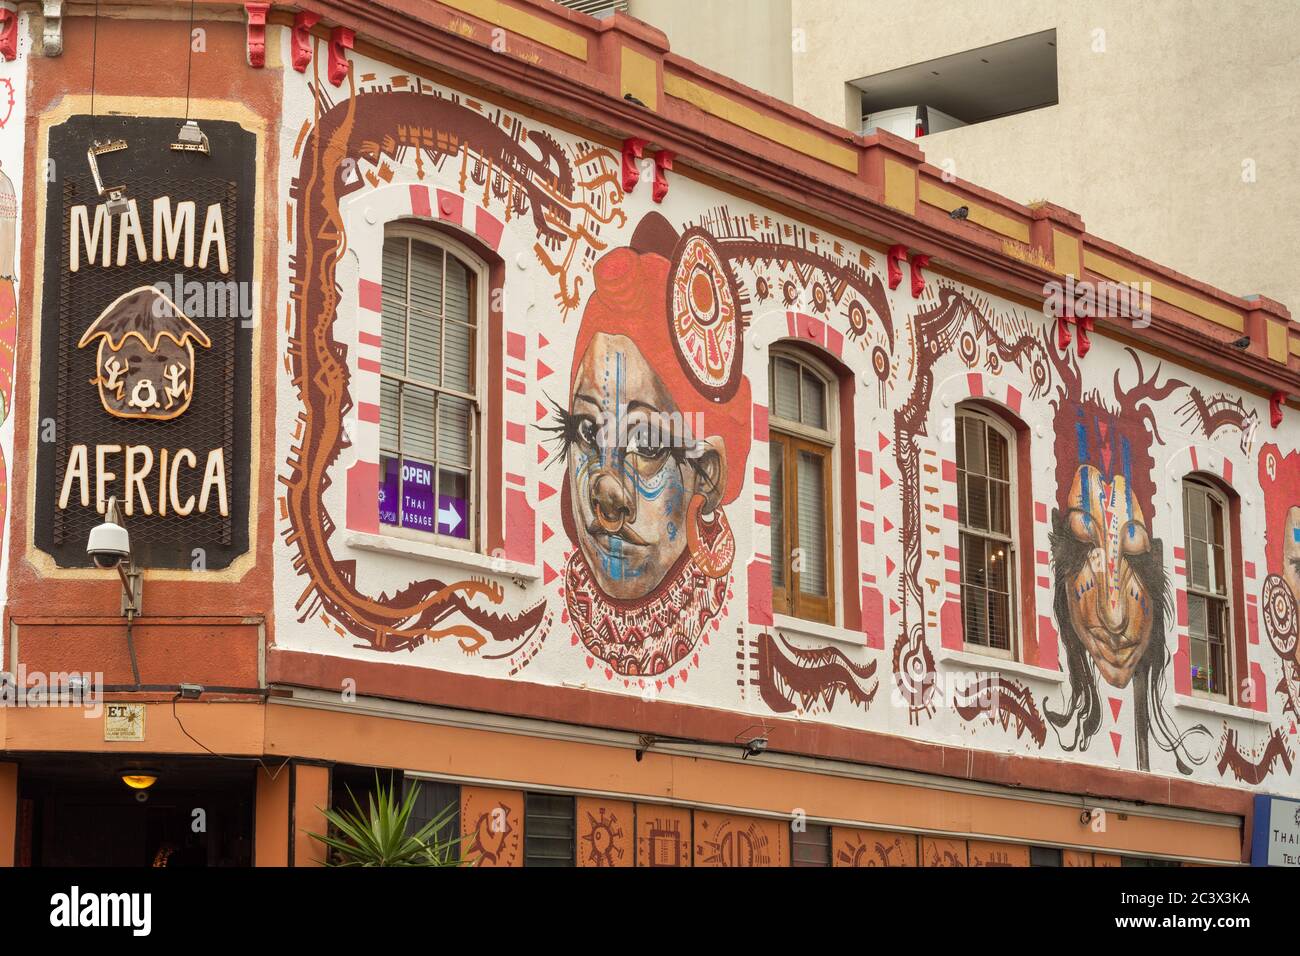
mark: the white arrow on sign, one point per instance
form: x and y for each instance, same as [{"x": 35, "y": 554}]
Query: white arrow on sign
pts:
[{"x": 449, "y": 517}]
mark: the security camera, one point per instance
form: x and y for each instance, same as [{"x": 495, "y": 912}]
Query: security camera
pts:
[
  {"x": 109, "y": 543},
  {"x": 755, "y": 747}
]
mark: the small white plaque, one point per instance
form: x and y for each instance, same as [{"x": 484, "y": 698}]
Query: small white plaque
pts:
[{"x": 124, "y": 722}]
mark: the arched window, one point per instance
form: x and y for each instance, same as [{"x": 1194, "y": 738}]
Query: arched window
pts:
[
  {"x": 987, "y": 517},
  {"x": 430, "y": 386},
  {"x": 802, "y": 444},
  {"x": 1207, "y": 543}
]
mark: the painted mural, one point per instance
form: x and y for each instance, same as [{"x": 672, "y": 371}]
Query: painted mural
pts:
[
  {"x": 13, "y": 85},
  {"x": 628, "y": 490}
]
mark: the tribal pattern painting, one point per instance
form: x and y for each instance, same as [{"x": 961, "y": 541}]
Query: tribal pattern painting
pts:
[{"x": 625, "y": 413}]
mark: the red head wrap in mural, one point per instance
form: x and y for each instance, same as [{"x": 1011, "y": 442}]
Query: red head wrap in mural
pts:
[{"x": 652, "y": 455}]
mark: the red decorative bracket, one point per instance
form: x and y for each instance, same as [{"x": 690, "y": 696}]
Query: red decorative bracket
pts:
[
  {"x": 257, "y": 33},
  {"x": 896, "y": 254},
  {"x": 1063, "y": 327},
  {"x": 303, "y": 21},
  {"x": 633, "y": 150},
  {"x": 1275, "y": 408},
  {"x": 341, "y": 39},
  {"x": 1084, "y": 326},
  {"x": 8, "y": 31},
  {"x": 919, "y": 262},
  {"x": 663, "y": 163}
]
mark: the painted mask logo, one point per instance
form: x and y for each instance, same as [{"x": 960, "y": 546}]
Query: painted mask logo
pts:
[{"x": 144, "y": 366}]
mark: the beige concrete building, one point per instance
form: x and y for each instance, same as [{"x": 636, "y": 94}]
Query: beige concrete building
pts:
[{"x": 1172, "y": 126}]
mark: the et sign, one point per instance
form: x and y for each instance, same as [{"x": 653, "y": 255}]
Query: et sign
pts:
[
  {"x": 146, "y": 341},
  {"x": 1276, "y": 832}
]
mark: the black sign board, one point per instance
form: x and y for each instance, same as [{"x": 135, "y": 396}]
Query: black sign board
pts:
[{"x": 147, "y": 313}]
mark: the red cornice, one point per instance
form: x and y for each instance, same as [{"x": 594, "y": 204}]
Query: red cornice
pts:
[{"x": 631, "y": 714}]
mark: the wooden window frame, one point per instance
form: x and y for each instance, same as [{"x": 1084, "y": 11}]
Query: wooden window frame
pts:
[
  {"x": 480, "y": 283},
  {"x": 1013, "y": 539},
  {"x": 1230, "y": 599},
  {"x": 795, "y": 437}
]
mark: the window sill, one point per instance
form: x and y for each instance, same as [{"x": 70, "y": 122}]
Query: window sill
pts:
[
  {"x": 1220, "y": 708},
  {"x": 797, "y": 625},
  {"x": 428, "y": 551},
  {"x": 971, "y": 660}
]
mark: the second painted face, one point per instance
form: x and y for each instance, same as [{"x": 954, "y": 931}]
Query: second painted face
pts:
[
  {"x": 1110, "y": 607},
  {"x": 634, "y": 467}
]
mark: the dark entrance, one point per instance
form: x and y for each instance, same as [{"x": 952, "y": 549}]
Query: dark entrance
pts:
[{"x": 74, "y": 810}]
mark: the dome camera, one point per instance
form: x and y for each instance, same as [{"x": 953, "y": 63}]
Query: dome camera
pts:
[{"x": 109, "y": 544}]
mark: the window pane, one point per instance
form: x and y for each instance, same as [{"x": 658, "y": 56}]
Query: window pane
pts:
[
  {"x": 392, "y": 349},
  {"x": 776, "y": 459},
  {"x": 961, "y": 443},
  {"x": 458, "y": 356},
  {"x": 975, "y": 615},
  {"x": 426, "y": 278},
  {"x": 388, "y": 490},
  {"x": 1198, "y": 565},
  {"x": 417, "y": 423},
  {"x": 1000, "y": 507},
  {"x": 388, "y": 397},
  {"x": 999, "y": 620},
  {"x": 811, "y": 499},
  {"x": 814, "y": 400},
  {"x": 455, "y": 417},
  {"x": 998, "y": 455},
  {"x": 785, "y": 382},
  {"x": 1200, "y": 665},
  {"x": 454, "y": 500},
  {"x": 977, "y": 502},
  {"x": 549, "y": 830},
  {"x": 459, "y": 288},
  {"x": 424, "y": 357},
  {"x": 973, "y": 570},
  {"x": 976, "y": 453},
  {"x": 811, "y": 846},
  {"x": 1197, "y": 625}
]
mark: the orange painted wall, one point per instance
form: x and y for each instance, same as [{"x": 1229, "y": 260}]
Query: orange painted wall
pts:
[
  {"x": 663, "y": 835},
  {"x": 853, "y": 847},
  {"x": 985, "y": 853},
  {"x": 311, "y": 792},
  {"x": 492, "y": 822},
  {"x": 271, "y": 818},
  {"x": 730, "y": 840},
  {"x": 943, "y": 852},
  {"x": 606, "y": 832}
]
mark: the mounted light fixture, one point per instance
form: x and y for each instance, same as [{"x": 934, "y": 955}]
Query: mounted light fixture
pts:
[
  {"x": 117, "y": 203},
  {"x": 191, "y": 139},
  {"x": 139, "y": 778}
]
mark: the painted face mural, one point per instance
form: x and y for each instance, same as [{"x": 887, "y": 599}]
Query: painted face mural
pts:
[
  {"x": 1112, "y": 598},
  {"x": 1279, "y": 477},
  {"x": 648, "y": 446},
  {"x": 1110, "y": 605}
]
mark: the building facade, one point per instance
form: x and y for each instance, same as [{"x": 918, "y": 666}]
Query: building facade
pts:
[
  {"x": 657, "y": 474},
  {"x": 1187, "y": 106}
]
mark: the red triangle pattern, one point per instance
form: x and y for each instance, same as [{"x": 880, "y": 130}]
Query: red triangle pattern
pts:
[
  {"x": 546, "y": 532},
  {"x": 543, "y": 370},
  {"x": 544, "y": 491},
  {"x": 889, "y": 565},
  {"x": 1115, "y": 705},
  {"x": 885, "y": 480},
  {"x": 882, "y": 441},
  {"x": 1116, "y": 740},
  {"x": 540, "y": 412},
  {"x": 549, "y": 574},
  {"x": 542, "y": 341}
]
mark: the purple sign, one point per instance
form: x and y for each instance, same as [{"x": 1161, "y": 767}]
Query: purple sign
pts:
[{"x": 416, "y": 509}]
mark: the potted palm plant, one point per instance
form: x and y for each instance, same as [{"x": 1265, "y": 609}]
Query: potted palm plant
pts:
[{"x": 378, "y": 834}]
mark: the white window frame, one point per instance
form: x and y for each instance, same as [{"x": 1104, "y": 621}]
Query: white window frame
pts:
[
  {"x": 1208, "y": 594},
  {"x": 828, "y": 437},
  {"x": 1012, "y": 540},
  {"x": 479, "y": 270}
]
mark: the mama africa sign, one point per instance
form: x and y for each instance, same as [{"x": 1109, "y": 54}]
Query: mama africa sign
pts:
[{"x": 146, "y": 356}]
